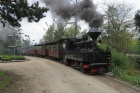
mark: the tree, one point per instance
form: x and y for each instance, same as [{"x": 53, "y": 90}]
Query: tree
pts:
[
  {"x": 14, "y": 10},
  {"x": 60, "y": 25},
  {"x": 137, "y": 19},
  {"x": 70, "y": 31},
  {"x": 118, "y": 27},
  {"x": 49, "y": 36},
  {"x": 137, "y": 24}
]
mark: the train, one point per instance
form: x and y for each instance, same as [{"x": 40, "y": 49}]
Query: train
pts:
[{"x": 80, "y": 53}]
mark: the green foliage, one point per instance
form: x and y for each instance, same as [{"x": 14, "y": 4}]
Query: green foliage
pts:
[
  {"x": 70, "y": 32},
  {"x": 57, "y": 32},
  {"x": 19, "y": 58},
  {"x": 137, "y": 19},
  {"x": 120, "y": 60},
  {"x": 49, "y": 36},
  {"x": 5, "y": 81},
  {"x": 11, "y": 57},
  {"x": 132, "y": 76},
  {"x": 117, "y": 26},
  {"x": 7, "y": 59},
  {"x": 138, "y": 45},
  {"x": 124, "y": 68},
  {"x": 134, "y": 47},
  {"x": 136, "y": 59},
  {"x": 14, "y": 10},
  {"x": 103, "y": 46},
  {"x": 133, "y": 79}
]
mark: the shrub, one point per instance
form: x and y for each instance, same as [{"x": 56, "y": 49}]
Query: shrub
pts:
[
  {"x": 7, "y": 58},
  {"x": 103, "y": 46},
  {"x": 120, "y": 60},
  {"x": 19, "y": 58},
  {"x": 10, "y": 58},
  {"x": 123, "y": 67}
]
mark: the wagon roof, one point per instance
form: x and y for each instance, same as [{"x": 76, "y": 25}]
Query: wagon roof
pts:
[{"x": 55, "y": 42}]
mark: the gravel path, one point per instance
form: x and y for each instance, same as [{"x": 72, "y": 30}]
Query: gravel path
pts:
[{"x": 45, "y": 76}]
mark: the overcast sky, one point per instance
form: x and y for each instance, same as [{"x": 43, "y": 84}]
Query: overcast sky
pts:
[{"x": 35, "y": 30}]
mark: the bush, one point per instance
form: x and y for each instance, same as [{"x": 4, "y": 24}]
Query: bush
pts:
[
  {"x": 7, "y": 59},
  {"x": 136, "y": 59},
  {"x": 103, "y": 46},
  {"x": 120, "y": 60},
  {"x": 120, "y": 63},
  {"x": 19, "y": 58},
  {"x": 124, "y": 67},
  {"x": 10, "y": 58}
]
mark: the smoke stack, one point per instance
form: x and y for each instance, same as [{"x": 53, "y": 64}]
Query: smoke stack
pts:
[{"x": 94, "y": 32}]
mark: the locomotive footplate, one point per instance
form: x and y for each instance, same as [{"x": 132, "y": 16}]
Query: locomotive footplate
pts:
[{"x": 97, "y": 64}]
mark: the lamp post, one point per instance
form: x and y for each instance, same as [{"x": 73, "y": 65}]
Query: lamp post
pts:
[
  {"x": 13, "y": 50},
  {"x": 14, "y": 44},
  {"x": 33, "y": 44},
  {"x": 76, "y": 21}
]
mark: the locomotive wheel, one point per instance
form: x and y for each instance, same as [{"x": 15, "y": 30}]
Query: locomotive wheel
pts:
[{"x": 84, "y": 70}]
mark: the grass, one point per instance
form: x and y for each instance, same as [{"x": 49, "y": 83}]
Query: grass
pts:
[
  {"x": 11, "y": 57},
  {"x": 124, "y": 68},
  {"x": 5, "y": 81},
  {"x": 132, "y": 76}
]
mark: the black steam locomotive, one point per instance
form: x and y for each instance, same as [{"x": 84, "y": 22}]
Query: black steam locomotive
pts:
[
  {"x": 79, "y": 53},
  {"x": 86, "y": 54}
]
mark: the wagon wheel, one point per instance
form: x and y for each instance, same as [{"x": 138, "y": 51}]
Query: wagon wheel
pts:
[
  {"x": 84, "y": 70},
  {"x": 67, "y": 62}
]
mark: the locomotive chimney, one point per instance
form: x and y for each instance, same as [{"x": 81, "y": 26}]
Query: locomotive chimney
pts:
[{"x": 94, "y": 32}]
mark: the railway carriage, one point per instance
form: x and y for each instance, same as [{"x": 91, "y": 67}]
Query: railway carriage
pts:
[{"x": 31, "y": 52}]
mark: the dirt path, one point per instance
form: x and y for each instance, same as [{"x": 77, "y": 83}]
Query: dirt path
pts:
[{"x": 45, "y": 76}]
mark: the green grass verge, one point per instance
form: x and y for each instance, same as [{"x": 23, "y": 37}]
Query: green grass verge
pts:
[
  {"x": 5, "y": 81},
  {"x": 132, "y": 76},
  {"x": 124, "y": 68}
]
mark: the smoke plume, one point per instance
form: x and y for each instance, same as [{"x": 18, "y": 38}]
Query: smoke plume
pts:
[
  {"x": 84, "y": 9},
  {"x": 4, "y": 33}
]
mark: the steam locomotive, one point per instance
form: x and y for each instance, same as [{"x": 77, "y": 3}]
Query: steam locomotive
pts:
[{"x": 78, "y": 53}]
